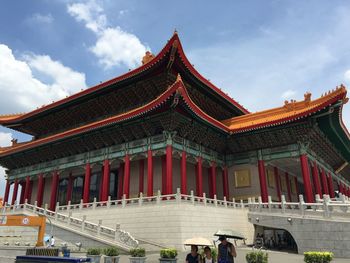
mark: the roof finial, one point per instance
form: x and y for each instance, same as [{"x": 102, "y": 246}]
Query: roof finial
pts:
[
  {"x": 178, "y": 78},
  {"x": 175, "y": 31},
  {"x": 147, "y": 57}
]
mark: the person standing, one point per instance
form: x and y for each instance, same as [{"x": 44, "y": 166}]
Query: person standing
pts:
[
  {"x": 226, "y": 251},
  {"x": 208, "y": 257},
  {"x": 52, "y": 242},
  {"x": 193, "y": 257}
]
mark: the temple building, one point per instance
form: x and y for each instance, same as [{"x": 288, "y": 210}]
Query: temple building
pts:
[{"x": 163, "y": 126}]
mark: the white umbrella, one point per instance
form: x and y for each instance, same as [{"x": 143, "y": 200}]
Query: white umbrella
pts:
[{"x": 199, "y": 241}]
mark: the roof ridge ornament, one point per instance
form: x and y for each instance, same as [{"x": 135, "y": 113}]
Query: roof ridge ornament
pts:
[
  {"x": 147, "y": 57},
  {"x": 178, "y": 77}
]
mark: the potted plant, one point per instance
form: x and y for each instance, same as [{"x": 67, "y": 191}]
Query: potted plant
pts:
[
  {"x": 94, "y": 254},
  {"x": 256, "y": 257},
  {"x": 137, "y": 255},
  {"x": 318, "y": 257},
  {"x": 168, "y": 255},
  {"x": 111, "y": 255}
]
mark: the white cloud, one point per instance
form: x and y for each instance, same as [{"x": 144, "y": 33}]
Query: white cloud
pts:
[
  {"x": 5, "y": 139},
  {"x": 288, "y": 94},
  {"x": 21, "y": 91},
  {"x": 117, "y": 47},
  {"x": 347, "y": 76},
  {"x": 114, "y": 46},
  {"x": 41, "y": 18}
]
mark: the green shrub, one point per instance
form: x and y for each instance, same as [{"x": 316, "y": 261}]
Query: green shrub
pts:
[
  {"x": 111, "y": 251},
  {"x": 138, "y": 252},
  {"x": 93, "y": 251},
  {"x": 318, "y": 257},
  {"x": 256, "y": 257},
  {"x": 168, "y": 253}
]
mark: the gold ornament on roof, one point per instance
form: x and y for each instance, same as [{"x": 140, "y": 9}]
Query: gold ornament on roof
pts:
[{"x": 147, "y": 57}]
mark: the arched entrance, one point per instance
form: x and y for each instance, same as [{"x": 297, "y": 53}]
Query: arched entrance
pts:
[{"x": 276, "y": 239}]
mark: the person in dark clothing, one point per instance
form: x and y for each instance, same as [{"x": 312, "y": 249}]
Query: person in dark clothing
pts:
[
  {"x": 193, "y": 257},
  {"x": 226, "y": 251}
]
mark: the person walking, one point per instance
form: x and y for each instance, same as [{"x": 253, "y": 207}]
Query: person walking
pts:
[{"x": 226, "y": 251}]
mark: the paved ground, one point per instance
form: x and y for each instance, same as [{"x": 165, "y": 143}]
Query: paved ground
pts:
[{"x": 274, "y": 257}]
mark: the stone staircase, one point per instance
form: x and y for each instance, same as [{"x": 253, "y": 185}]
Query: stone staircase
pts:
[{"x": 79, "y": 227}]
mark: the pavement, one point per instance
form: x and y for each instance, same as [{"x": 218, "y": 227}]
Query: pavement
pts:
[{"x": 274, "y": 257}]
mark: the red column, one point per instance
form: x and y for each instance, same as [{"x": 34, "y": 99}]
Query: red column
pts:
[
  {"x": 316, "y": 179},
  {"x": 7, "y": 192},
  {"x": 289, "y": 190},
  {"x": 330, "y": 186},
  {"x": 213, "y": 178},
  {"x": 86, "y": 194},
  {"x": 149, "y": 173},
  {"x": 23, "y": 186},
  {"x": 163, "y": 160},
  {"x": 324, "y": 182},
  {"x": 120, "y": 180},
  {"x": 199, "y": 177},
  {"x": 30, "y": 191},
  {"x": 306, "y": 178},
  {"x": 296, "y": 186},
  {"x": 141, "y": 174},
  {"x": 14, "y": 193},
  {"x": 105, "y": 181},
  {"x": 126, "y": 188},
  {"x": 70, "y": 188},
  {"x": 262, "y": 179},
  {"x": 225, "y": 182},
  {"x": 169, "y": 169},
  {"x": 40, "y": 193},
  {"x": 210, "y": 195},
  {"x": 54, "y": 186},
  {"x": 27, "y": 187},
  {"x": 278, "y": 183},
  {"x": 183, "y": 174}
]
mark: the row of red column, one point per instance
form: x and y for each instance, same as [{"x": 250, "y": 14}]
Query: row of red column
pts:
[
  {"x": 323, "y": 186},
  {"x": 167, "y": 177}
]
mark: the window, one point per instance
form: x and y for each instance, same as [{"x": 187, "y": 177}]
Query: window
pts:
[
  {"x": 95, "y": 185},
  {"x": 78, "y": 186},
  {"x": 270, "y": 178},
  {"x": 62, "y": 191},
  {"x": 113, "y": 184}
]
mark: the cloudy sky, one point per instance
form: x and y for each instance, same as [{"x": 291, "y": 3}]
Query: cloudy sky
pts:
[{"x": 259, "y": 52}]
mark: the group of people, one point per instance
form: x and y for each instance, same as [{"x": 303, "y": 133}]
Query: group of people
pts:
[{"x": 226, "y": 253}]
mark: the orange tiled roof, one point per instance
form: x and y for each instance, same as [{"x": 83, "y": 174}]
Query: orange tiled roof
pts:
[
  {"x": 8, "y": 117},
  {"x": 292, "y": 110}
]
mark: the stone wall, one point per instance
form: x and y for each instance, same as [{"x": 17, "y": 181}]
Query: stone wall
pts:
[
  {"x": 311, "y": 234},
  {"x": 169, "y": 224}
]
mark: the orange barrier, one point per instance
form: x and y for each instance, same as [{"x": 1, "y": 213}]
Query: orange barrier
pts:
[{"x": 23, "y": 221}]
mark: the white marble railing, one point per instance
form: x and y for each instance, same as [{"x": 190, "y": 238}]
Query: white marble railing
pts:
[
  {"x": 157, "y": 199},
  {"x": 121, "y": 237},
  {"x": 325, "y": 208}
]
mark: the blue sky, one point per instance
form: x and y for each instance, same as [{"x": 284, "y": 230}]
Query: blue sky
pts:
[{"x": 259, "y": 52}]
